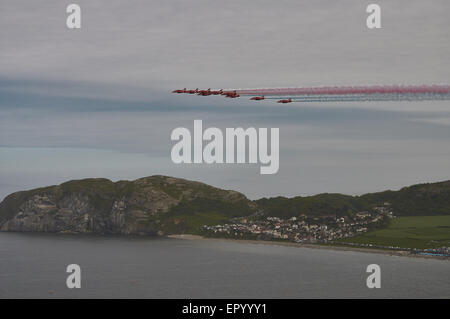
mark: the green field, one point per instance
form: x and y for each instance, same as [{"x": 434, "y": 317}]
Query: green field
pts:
[{"x": 409, "y": 232}]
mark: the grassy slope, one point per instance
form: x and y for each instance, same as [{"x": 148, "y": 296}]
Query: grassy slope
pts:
[
  {"x": 322, "y": 204},
  {"x": 417, "y": 200},
  {"x": 191, "y": 215},
  {"x": 410, "y": 232}
]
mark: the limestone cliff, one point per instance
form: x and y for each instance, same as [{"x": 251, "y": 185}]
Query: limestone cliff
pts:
[{"x": 150, "y": 205}]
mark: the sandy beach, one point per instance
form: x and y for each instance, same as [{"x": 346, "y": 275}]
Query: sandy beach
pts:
[{"x": 403, "y": 253}]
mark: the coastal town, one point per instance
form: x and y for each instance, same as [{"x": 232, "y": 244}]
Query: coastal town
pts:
[
  {"x": 301, "y": 229},
  {"x": 325, "y": 229}
]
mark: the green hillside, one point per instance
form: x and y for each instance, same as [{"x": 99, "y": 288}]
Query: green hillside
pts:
[
  {"x": 409, "y": 232},
  {"x": 417, "y": 200},
  {"x": 322, "y": 204}
]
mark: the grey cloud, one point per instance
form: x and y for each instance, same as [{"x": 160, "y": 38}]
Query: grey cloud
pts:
[
  {"x": 164, "y": 44},
  {"x": 96, "y": 101}
]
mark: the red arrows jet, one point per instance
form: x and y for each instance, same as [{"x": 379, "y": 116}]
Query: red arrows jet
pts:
[
  {"x": 204, "y": 92},
  {"x": 217, "y": 92},
  {"x": 179, "y": 91},
  {"x": 285, "y": 101},
  {"x": 231, "y": 94},
  {"x": 257, "y": 98}
]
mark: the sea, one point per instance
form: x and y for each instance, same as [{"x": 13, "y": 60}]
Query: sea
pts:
[{"x": 34, "y": 265}]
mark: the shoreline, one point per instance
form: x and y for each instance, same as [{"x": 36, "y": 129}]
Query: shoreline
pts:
[{"x": 398, "y": 253}]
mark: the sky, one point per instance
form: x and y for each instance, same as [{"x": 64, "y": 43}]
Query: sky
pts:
[{"x": 96, "y": 102}]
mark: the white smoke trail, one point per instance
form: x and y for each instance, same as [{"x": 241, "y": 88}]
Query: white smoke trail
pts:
[{"x": 364, "y": 97}]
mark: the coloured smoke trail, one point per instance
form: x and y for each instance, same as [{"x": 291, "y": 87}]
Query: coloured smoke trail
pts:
[
  {"x": 337, "y": 93},
  {"x": 349, "y": 90},
  {"x": 367, "y": 97},
  {"x": 354, "y": 93}
]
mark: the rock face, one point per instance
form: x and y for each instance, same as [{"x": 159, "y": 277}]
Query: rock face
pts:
[{"x": 150, "y": 205}]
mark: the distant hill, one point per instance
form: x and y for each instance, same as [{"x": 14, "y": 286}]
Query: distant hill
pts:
[
  {"x": 168, "y": 205},
  {"x": 317, "y": 205},
  {"x": 417, "y": 200}
]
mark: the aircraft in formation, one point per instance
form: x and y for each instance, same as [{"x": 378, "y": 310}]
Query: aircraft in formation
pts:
[
  {"x": 335, "y": 93},
  {"x": 229, "y": 94}
]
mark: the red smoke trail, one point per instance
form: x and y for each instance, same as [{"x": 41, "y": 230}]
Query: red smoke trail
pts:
[{"x": 340, "y": 90}]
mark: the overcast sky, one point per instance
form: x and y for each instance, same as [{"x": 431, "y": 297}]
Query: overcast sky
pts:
[{"x": 96, "y": 102}]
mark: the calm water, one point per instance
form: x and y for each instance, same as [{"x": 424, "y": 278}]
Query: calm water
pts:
[{"x": 33, "y": 265}]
